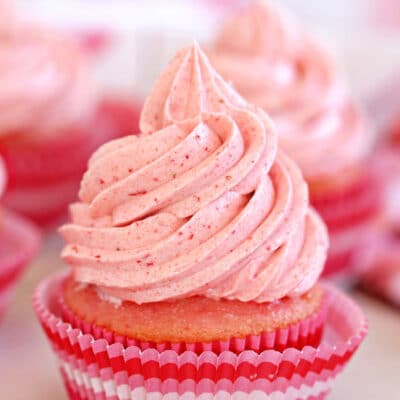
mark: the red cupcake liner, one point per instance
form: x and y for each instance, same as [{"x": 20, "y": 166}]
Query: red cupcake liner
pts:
[
  {"x": 67, "y": 156},
  {"x": 298, "y": 335},
  {"x": 394, "y": 131},
  {"x": 350, "y": 206},
  {"x": 19, "y": 242},
  {"x": 44, "y": 180},
  {"x": 337, "y": 264},
  {"x": 45, "y": 204},
  {"x": 381, "y": 271},
  {"x": 344, "y": 245},
  {"x": 386, "y": 161},
  {"x": 94, "y": 369}
]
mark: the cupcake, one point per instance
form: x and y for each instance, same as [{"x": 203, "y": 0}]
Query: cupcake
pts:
[
  {"x": 381, "y": 266},
  {"x": 194, "y": 259},
  {"x": 19, "y": 242},
  {"x": 296, "y": 82},
  {"x": 52, "y": 118},
  {"x": 380, "y": 259}
]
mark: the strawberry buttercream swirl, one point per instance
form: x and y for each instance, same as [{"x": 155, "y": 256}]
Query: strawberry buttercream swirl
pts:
[
  {"x": 275, "y": 64},
  {"x": 44, "y": 81},
  {"x": 200, "y": 203}
]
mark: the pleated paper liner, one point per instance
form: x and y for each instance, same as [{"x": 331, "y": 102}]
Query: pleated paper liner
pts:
[
  {"x": 381, "y": 274},
  {"x": 44, "y": 180},
  {"x": 67, "y": 155},
  {"x": 347, "y": 212},
  {"x": 19, "y": 242},
  {"x": 307, "y": 332},
  {"x": 94, "y": 369},
  {"x": 350, "y": 206}
]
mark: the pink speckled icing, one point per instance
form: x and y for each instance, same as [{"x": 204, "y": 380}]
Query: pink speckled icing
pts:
[
  {"x": 279, "y": 67},
  {"x": 201, "y": 203},
  {"x": 45, "y": 85}
]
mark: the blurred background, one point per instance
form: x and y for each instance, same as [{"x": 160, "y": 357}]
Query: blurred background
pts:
[{"x": 129, "y": 42}]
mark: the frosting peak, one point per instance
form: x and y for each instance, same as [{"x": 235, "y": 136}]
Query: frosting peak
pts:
[
  {"x": 187, "y": 88},
  {"x": 201, "y": 203}
]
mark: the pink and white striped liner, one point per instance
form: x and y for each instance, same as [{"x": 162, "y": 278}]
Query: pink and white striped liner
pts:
[
  {"x": 19, "y": 242},
  {"x": 93, "y": 369}
]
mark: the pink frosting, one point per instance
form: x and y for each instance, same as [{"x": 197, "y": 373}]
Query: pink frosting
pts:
[
  {"x": 201, "y": 203},
  {"x": 45, "y": 86},
  {"x": 279, "y": 67}
]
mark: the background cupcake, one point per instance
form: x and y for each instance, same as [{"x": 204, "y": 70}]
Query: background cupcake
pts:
[
  {"x": 202, "y": 218},
  {"x": 296, "y": 82},
  {"x": 19, "y": 242},
  {"x": 51, "y": 118},
  {"x": 380, "y": 263}
]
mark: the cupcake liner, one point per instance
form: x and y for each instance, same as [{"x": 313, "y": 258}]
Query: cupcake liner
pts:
[
  {"x": 381, "y": 267},
  {"x": 348, "y": 213},
  {"x": 344, "y": 245},
  {"x": 67, "y": 156},
  {"x": 19, "y": 242},
  {"x": 395, "y": 135},
  {"x": 44, "y": 204},
  {"x": 351, "y": 206},
  {"x": 307, "y": 332},
  {"x": 386, "y": 161},
  {"x": 338, "y": 264},
  {"x": 94, "y": 369},
  {"x": 44, "y": 180}
]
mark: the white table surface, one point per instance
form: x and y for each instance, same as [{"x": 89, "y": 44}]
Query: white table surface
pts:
[{"x": 28, "y": 370}]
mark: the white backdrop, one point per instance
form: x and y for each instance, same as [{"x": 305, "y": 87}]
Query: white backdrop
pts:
[{"x": 148, "y": 32}]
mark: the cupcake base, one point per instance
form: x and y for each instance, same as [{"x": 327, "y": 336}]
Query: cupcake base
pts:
[
  {"x": 19, "y": 242},
  {"x": 198, "y": 323},
  {"x": 93, "y": 369},
  {"x": 44, "y": 178}
]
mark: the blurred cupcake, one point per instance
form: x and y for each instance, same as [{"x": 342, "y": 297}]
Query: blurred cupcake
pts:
[
  {"x": 394, "y": 135},
  {"x": 379, "y": 260},
  {"x": 51, "y": 118},
  {"x": 381, "y": 266},
  {"x": 195, "y": 258},
  {"x": 19, "y": 242},
  {"x": 276, "y": 65}
]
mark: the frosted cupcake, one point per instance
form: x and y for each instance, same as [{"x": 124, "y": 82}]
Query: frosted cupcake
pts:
[
  {"x": 193, "y": 249},
  {"x": 380, "y": 261},
  {"x": 19, "y": 242},
  {"x": 51, "y": 118},
  {"x": 296, "y": 82}
]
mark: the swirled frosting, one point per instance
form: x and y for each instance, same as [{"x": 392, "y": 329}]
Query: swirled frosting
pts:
[
  {"x": 200, "y": 203},
  {"x": 279, "y": 67},
  {"x": 45, "y": 85}
]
